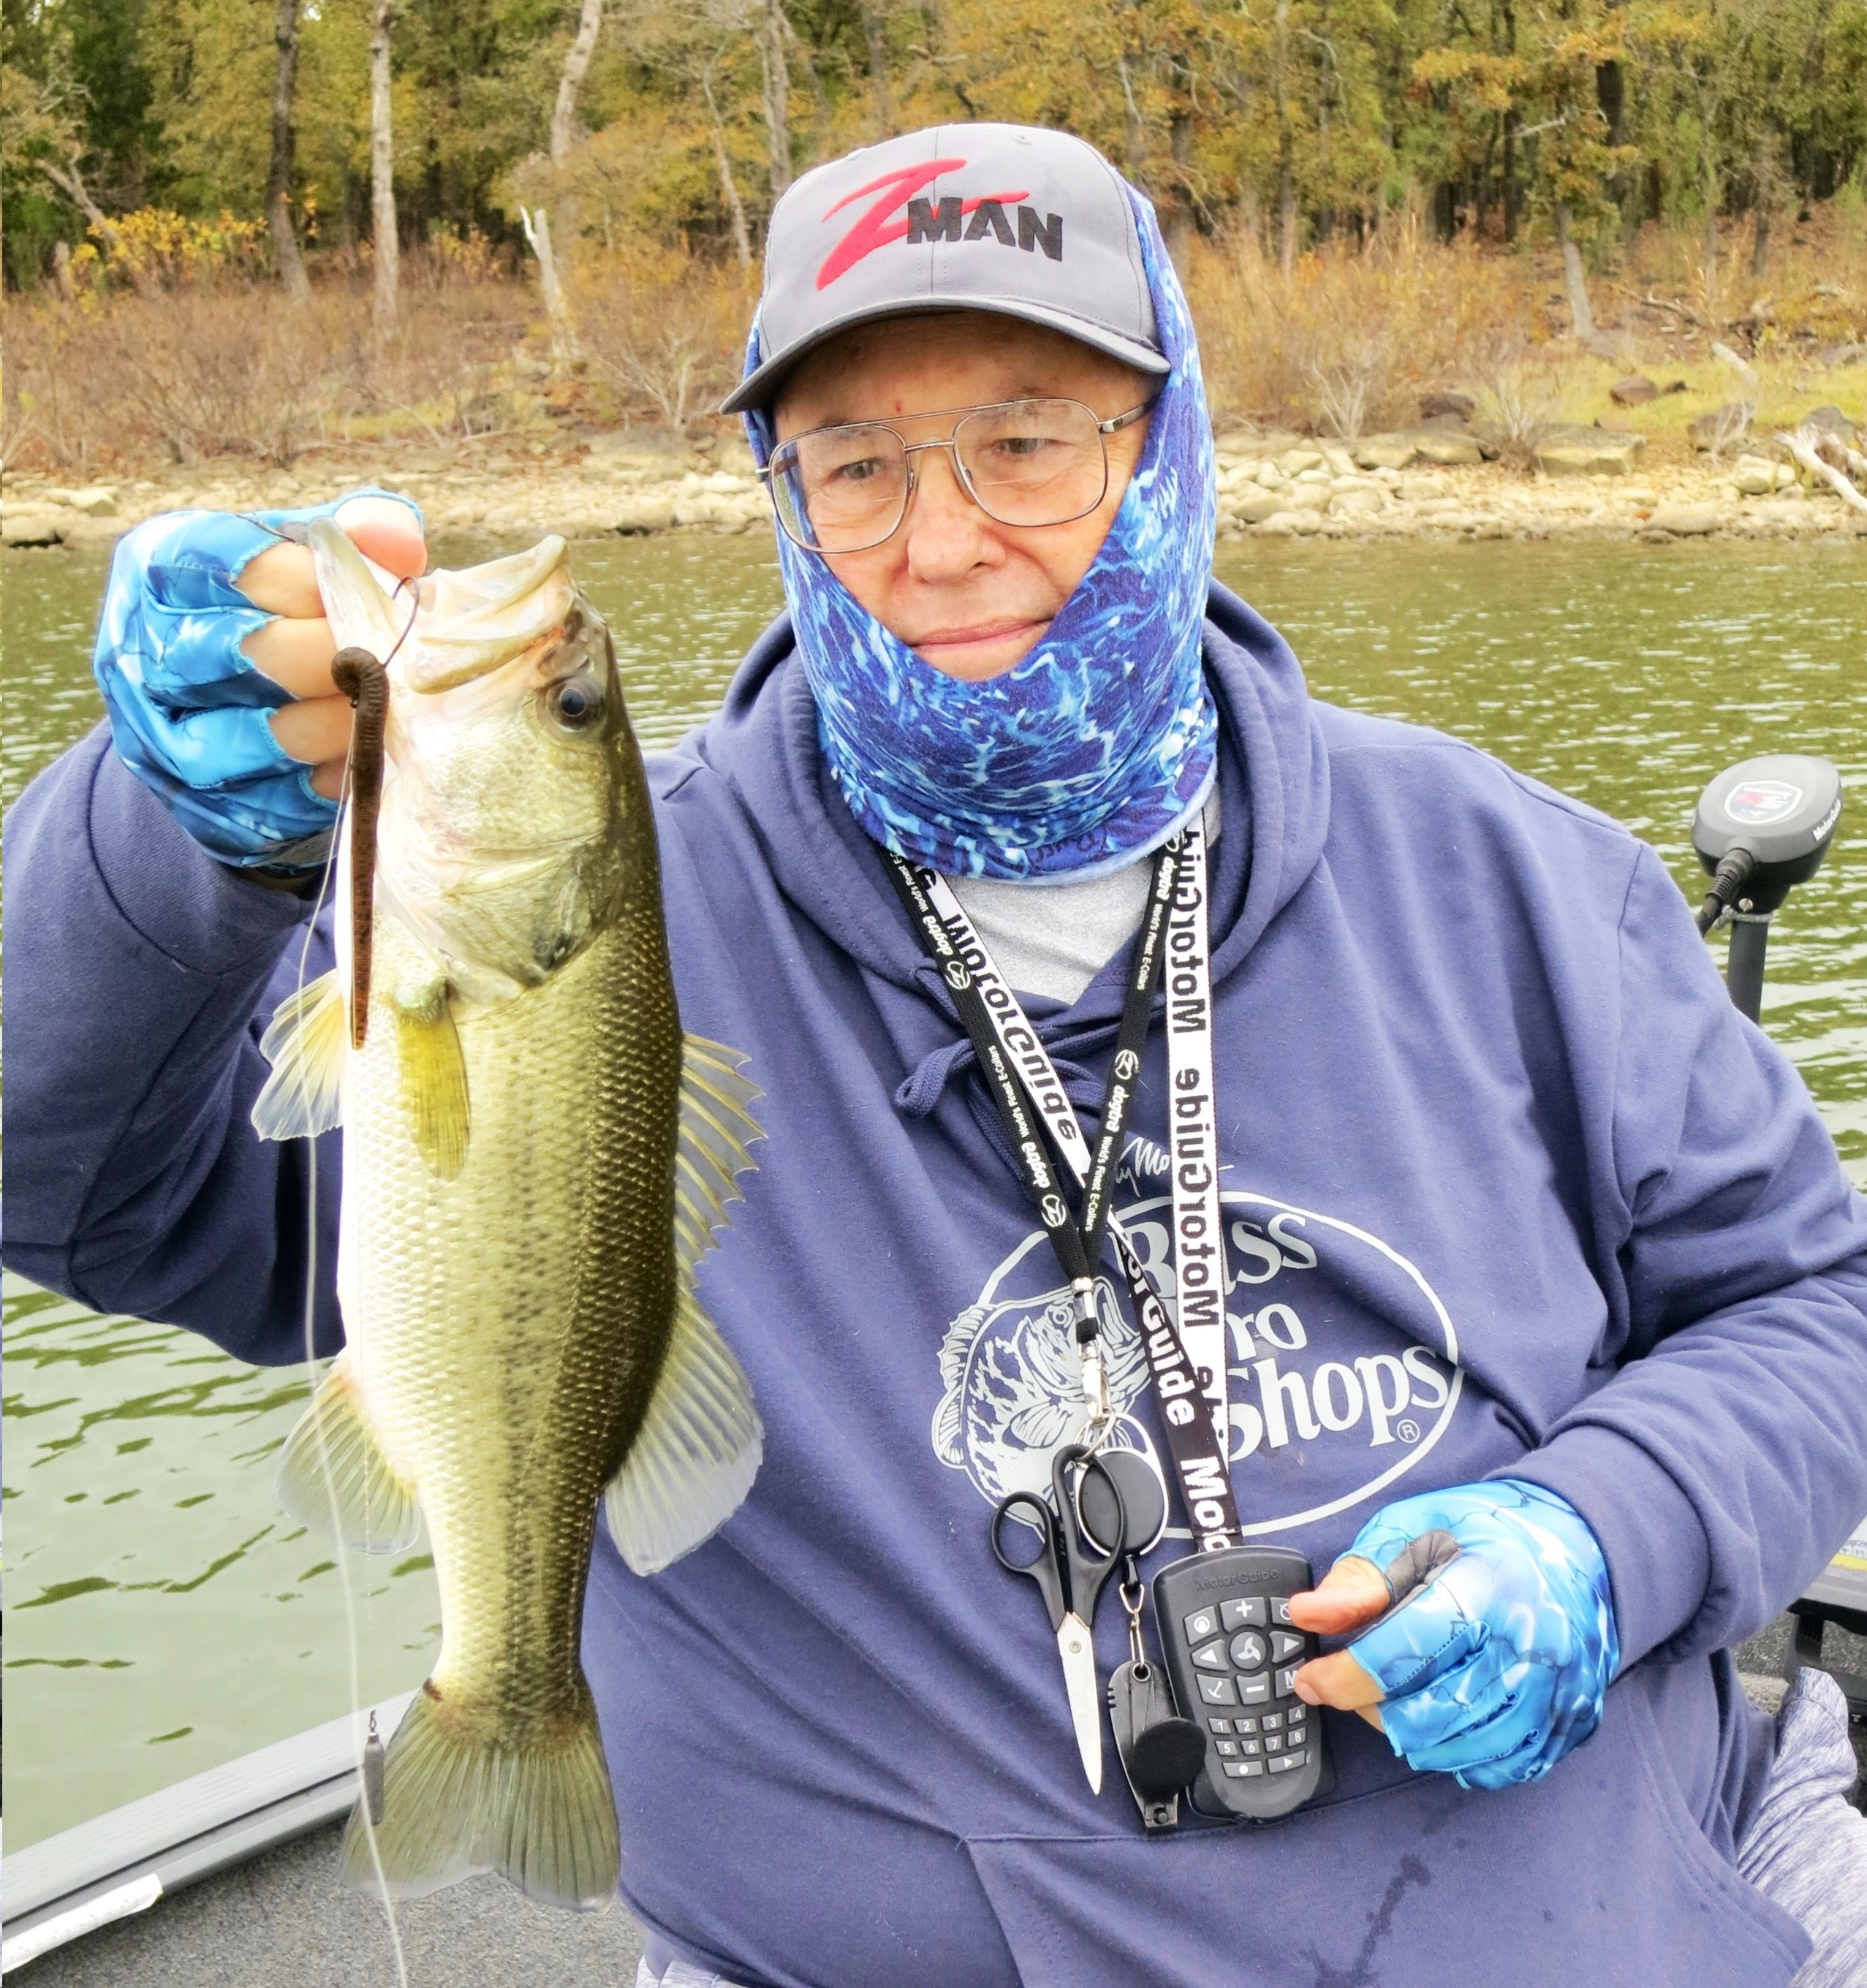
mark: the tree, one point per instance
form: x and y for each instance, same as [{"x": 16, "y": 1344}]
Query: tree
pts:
[
  {"x": 286, "y": 257},
  {"x": 382, "y": 225}
]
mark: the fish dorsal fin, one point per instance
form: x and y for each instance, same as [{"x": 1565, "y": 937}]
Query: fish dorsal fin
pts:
[
  {"x": 333, "y": 1473},
  {"x": 306, "y": 1043},
  {"x": 716, "y": 1128},
  {"x": 698, "y": 1450}
]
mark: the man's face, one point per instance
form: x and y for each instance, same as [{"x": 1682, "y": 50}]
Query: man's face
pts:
[{"x": 967, "y": 594}]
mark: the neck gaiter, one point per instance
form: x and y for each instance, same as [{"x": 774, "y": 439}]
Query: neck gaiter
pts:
[{"x": 1096, "y": 747}]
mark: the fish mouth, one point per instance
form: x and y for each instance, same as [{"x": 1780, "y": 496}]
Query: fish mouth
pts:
[{"x": 476, "y": 621}]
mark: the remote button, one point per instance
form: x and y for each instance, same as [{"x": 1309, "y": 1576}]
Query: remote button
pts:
[
  {"x": 1220, "y": 1725},
  {"x": 1250, "y": 1746},
  {"x": 1286, "y": 1682},
  {"x": 1285, "y": 1643},
  {"x": 1202, "y": 1623},
  {"x": 1272, "y": 1721},
  {"x": 1251, "y": 1691},
  {"x": 1218, "y": 1691},
  {"x": 1210, "y": 1656},
  {"x": 1301, "y": 1759},
  {"x": 1247, "y": 1650},
  {"x": 1227, "y": 1749},
  {"x": 1283, "y": 1763},
  {"x": 1247, "y": 1768},
  {"x": 1280, "y": 1608},
  {"x": 1244, "y": 1726},
  {"x": 1273, "y": 1743},
  {"x": 1248, "y": 1613},
  {"x": 1294, "y": 1717}
]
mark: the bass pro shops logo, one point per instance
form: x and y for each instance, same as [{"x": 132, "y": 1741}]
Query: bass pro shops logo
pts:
[
  {"x": 1343, "y": 1368},
  {"x": 952, "y": 218}
]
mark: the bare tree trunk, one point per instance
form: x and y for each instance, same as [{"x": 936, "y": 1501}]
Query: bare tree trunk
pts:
[
  {"x": 1179, "y": 220},
  {"x": 769, "y": 33},
  {"x": 1760, "y": 237},
  {"x": 1287, "y": 173},
  {"x": 1708, "y": 181},
  {"x": 382, "y": 172},
  {"x": 1580, "y": 314},
  {"x": 728, "y": 186},
  {"x": 564, "y": 352},
  {"x": 577, "y": 62},
  {"x": 291, "y": 265},
  {"x": 60, "y": 271},
  {"x": 1135, "y": 133},
  {"x": 818, "y": 97},
  {"x": 874, "y": 27}
]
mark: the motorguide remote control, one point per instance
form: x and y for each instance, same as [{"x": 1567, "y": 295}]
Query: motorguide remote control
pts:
[{"x": 1231, "y": 1651}]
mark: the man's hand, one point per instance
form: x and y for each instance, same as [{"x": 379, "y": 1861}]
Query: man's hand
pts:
[
  {"x": 1488, "y": 1633},
  {"x": 213, "y": 657}
]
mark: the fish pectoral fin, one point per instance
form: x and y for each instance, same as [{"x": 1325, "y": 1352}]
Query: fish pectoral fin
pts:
[
  {"x": 460, "y": 1796},
  {"x": 698, "y": 1450},
  {"x": 333, "y": 1473},
  {"x": 716, "y": 1128},
  {"x": 434, "y": 1084},
  {"x": 306, "y": 1043}
]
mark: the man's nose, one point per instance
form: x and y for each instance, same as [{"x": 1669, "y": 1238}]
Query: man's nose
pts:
[{"x": 948, "y": 534}]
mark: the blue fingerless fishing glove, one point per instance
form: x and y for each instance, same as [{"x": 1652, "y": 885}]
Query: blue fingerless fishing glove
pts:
[
  {"x": 188, "y": 712},
  {"x": 1496, "y": 1663}
]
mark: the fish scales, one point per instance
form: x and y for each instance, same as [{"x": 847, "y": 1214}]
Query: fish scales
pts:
[{"x": 534, "y": 1156}]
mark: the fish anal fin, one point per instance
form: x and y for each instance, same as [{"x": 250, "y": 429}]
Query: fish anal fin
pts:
[
  {"x": 433, "y": 1069},
  {"x": 538, "y": 1811},
  {"x": 716, "y": 1128},
  {"x": 695, "y": 1456},
  {"x": 306, "y": 1042},
  {"x": 333, "y": 1475}
]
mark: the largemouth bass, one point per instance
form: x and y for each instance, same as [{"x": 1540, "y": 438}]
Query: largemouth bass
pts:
[{"x": 534, "y": 1159}]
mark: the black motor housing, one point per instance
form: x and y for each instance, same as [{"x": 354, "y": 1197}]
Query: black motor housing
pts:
[{"x": 1782, "y": 807}]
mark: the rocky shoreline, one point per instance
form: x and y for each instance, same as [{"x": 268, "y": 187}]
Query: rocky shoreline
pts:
[{"x": 1432, "y": 482}]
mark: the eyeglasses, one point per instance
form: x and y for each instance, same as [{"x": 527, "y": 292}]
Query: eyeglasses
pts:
[{"x": 847, "y": 488}]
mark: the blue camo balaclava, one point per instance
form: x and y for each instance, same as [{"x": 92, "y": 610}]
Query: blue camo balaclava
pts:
[{"x": 1099, "y": 744}]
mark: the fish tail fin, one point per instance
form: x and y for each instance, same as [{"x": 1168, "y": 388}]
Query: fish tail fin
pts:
[{"x": 541, "y": 1815}]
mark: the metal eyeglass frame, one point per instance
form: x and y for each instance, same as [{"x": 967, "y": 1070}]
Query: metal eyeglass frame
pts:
[{"x": 911, "y": 449}]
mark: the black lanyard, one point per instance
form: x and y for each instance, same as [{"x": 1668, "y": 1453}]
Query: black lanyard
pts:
[
  {"x": 1076, "y": 1238},
  {"x": 1010, "y": 1054}
]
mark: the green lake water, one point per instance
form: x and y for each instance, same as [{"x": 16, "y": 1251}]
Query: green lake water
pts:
[{"x": 162, "y": 1616}]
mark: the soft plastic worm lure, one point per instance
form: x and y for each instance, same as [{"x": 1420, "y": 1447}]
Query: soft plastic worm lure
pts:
[{"x": 360, "y": 677}]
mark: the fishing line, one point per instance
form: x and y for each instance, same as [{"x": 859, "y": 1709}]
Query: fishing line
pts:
[{"x": 353, "y": 1645}]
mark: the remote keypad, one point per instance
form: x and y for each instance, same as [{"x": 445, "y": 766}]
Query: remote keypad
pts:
[{"x": 1232, "y": 1654}]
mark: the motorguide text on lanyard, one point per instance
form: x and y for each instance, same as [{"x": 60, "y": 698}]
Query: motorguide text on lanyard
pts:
[{"x": 1187, "y": 1362}]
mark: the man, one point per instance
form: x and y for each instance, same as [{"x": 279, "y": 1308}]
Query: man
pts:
[{"x": 1533, "y": 1253}]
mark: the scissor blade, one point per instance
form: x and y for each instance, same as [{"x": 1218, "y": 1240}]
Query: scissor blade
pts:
[{"x": 1077, "y": 1648}]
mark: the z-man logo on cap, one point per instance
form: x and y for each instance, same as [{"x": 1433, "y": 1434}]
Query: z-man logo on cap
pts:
[{"x": 935, "y": 220}]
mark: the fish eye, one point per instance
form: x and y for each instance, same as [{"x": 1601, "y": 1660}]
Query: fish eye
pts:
[{"x": 575, "y": 703}]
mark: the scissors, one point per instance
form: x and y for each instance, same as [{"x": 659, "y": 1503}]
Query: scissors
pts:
[{"x": 1070, "y": 1570}]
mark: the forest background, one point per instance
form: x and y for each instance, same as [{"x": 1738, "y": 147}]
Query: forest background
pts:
[{"x": 262, "y": 226}]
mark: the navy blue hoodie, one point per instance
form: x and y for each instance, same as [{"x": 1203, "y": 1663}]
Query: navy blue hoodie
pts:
[{"x": 1510, "y": 1188}]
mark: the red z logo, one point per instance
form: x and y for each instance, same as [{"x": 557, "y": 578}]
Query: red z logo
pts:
[{"x": 874, "y": 230}]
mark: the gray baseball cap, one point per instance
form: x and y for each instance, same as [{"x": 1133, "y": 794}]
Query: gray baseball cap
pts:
[{"x": 1004, "y": 217}]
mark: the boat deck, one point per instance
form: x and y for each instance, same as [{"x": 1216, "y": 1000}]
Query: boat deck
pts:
[{"x": 284, "y": 1921}]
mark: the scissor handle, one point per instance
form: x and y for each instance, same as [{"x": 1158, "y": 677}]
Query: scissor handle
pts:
[
  {"x": 1089, "y": 1566},
  {"x": 1047, "y": 1570}
]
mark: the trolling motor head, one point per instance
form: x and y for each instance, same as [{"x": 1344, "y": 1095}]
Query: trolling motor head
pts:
[{"x": 1764, "y": 826}]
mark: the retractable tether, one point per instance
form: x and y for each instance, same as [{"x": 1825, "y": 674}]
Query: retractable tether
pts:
[{"x": 1762, "y": 827}]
